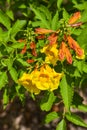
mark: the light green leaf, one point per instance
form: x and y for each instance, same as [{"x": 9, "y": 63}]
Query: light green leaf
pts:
[
  {"x": 59, "y": 2},
  {"x": 47, "y": 101},
  {"x": 3, "y": 79},
  {"x": 51, "y": 116},
  {"x": 55, "y": 21},
  {"x": 10, "y": 14},
  {"x": 61, "y": 125},
  {"x": 5, "y": 98},
  {"x": 75, "y": 119},
  {"x": 13, "y": 74},
  {"x": 17, "y": 27},
  {"x": 82, "y": 107},
  {"x": 4, "y": 19},
  {"x": 66, "y": 92},
  {"x": 24, "y": 63},
  {"x": 41, "y": 16}
]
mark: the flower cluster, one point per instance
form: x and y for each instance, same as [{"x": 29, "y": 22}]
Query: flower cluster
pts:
[
  {"x": 54, "y": 50},
  {"x": 44, "y": 78}
]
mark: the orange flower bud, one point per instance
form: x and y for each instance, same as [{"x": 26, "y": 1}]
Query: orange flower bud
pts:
[
  {"x": 68, "y": 56},
  {"x": 43, "y": 31},
  {"x": 40, "y": 36},
  {"x": 53, "y": 38},
  {"x": 75, "y": 46},
  {"x": 62, "y": 51},
  {"x": 34, "y": 53},
  {"x": 32, "y": 45},
  {"x": 22, "y": 40},
  {"x": 30, "y": 61},
  {"x": 76, "y": 16},
  {"x": 24, "y": 50}
]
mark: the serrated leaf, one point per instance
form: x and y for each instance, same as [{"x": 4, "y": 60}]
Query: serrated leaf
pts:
[
  {"x": 59, "y": 2},
  {"x": 4, "y": 19},
  {"x": 61, "y": 125},
  {"x": 66, "y": 92},
  {"x": 13, "y": 73},
  {"x": 17, "y": 27},
  {"x": 75, "y": 119},
  {"x": 51, "y": 116},
  {"x": 47, "y": 101},
  {"x": 3, "y": 79},
  {"x": 65, "y": 15},
  {"x": 10, "y": 14},
  {"x": 55, "y": 21},
  {"x": 40, "y": 16},
  {"x": 45, "y": 10}
]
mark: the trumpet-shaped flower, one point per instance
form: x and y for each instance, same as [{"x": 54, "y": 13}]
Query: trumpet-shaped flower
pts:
[
  {"x": 26, "y": 81},
  {"x": 47, "y": 79},
  {"x": 51, "y": 52},
  {"x": 43, "y": 79}
]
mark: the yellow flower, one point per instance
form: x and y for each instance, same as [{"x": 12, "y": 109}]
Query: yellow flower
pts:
[
  {"x": 26, "y": 81},
  {"x": 47, "y": 79},
  {"x": 51, "y": 52},
  {"x": 44, "y": 78}
]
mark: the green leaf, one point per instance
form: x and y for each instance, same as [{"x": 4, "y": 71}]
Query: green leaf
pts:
[
  {"x": 5, "y": 98},
  {"x": 82, "y": 107},
  {"x": 59, "y": 2},
  {"x": 66, "y": 92},
  {"x": 4, "y": 19},
  {"x": 81, "y": 6},
  {"x": 65, "y": 15},
  {"x": 15, "y": 46},
  {"x": 24, "y": 63},
  {"x": 47, "y": 101},
  {"x": 61, "y": 125},
  {"x": 84, "y": 67},
  {"x": 10, "y": 14},
  {"x": 51, "y": 116},
  {"x": 55, "y": 21},
  {"x": 13, "y": 74},
  {"x": 75, "y": 120},
  {"x": 41, "y": 16},
  {"x": 3, "y": 79},
  {"x": 17, "y": 27}
]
